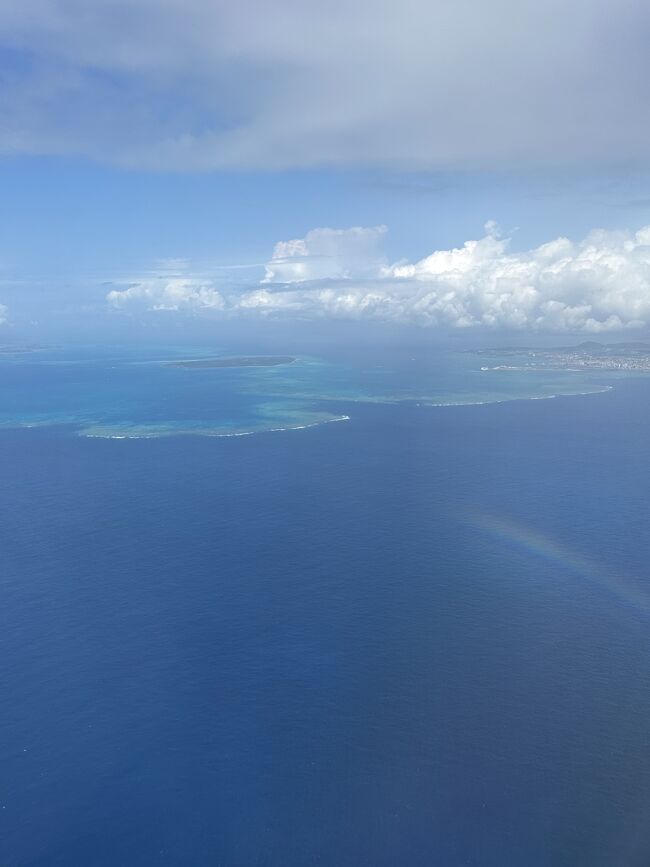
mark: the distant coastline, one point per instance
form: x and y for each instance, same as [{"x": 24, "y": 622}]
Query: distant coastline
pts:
[
  {"x": 586, "y": 356},
  {"x": 238, "y": 361}
]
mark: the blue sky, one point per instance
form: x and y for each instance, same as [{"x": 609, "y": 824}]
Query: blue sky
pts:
[{"x": 153, "y": 154}]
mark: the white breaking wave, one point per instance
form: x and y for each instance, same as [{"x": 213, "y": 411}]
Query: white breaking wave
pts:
[
  {"x": 90, "y": 434},
  {"x": 441, "y": 404}
]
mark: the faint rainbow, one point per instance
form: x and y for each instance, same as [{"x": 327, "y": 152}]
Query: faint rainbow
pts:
[{"x": 542, "y": 546}]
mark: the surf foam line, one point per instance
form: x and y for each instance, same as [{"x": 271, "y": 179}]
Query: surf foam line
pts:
[
  {"x": 568, "y": 394},
  {"x": 544, "y": 547},
  {"x": 209, "y": 433}
]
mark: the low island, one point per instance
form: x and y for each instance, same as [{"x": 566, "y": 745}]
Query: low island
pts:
[{"x": 238, "y": 361}]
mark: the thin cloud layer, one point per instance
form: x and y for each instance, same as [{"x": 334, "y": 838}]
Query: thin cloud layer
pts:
[
  {"x": 598, "y": 284},
  {"x": 4, "y": 314},
  {"x": 211, "y": 84},
  {"x": 327, "y": 253}
]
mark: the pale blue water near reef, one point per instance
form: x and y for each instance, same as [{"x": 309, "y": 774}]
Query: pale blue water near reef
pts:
[
  {"x": 144, "y": 393},
  {"x": 407, "y": 634}
]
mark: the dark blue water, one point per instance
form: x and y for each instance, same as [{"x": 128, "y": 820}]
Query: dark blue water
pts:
[{"x": 299, "y": 648}]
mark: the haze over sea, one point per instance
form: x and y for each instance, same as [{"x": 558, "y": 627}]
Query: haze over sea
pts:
[{"x": 415, "y": 637}]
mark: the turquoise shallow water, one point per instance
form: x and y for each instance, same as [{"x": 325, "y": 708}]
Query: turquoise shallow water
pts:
[{"x": 127, "y": 392}]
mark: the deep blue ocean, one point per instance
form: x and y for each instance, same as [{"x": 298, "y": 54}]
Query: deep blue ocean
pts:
[{"x": 416, "y": 637}]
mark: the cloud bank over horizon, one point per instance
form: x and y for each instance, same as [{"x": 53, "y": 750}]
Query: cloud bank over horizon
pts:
[
  {"x": 596, "y": 285},
  {"x": 196, "y": 85}
]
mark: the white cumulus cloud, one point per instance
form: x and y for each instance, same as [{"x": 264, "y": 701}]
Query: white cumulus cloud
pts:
[
  {"x": 601, "y": 283},
  {"x": 181, "y": 293},
  {"x": 598, "y": 284}
]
